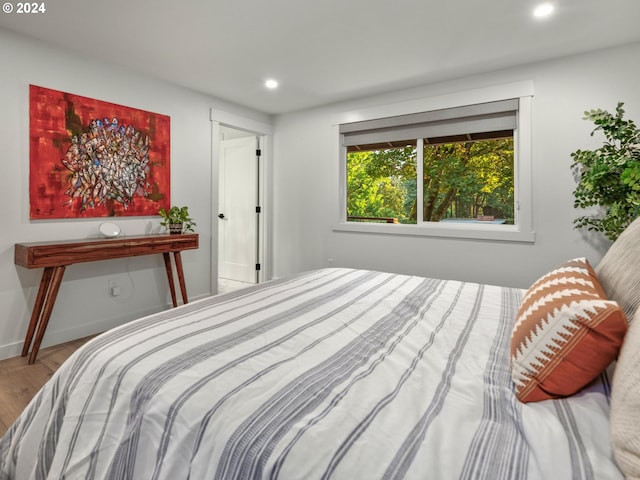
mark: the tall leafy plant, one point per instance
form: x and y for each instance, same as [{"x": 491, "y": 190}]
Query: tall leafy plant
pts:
[{"x": 609, "y": 177}]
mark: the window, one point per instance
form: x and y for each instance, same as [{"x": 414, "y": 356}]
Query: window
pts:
[
  {"x": 462, "y": 181},
  {"x": 382, "y": 183},
  {"x": 461, "y": 171}
]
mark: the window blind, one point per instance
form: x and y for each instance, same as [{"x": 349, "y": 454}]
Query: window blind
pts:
[{"x": 468, "y": 120}]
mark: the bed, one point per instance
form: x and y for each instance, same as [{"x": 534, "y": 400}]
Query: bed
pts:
[{"x": 334, "y": 373}]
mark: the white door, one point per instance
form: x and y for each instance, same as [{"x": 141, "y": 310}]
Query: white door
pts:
[{"x": 238, "y": 197}]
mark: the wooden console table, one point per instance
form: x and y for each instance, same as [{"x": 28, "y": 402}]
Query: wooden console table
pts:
[{"x": 54, "y": 257}]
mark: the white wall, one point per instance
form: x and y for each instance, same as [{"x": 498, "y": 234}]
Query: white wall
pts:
[
  {"x": 306, "y": 179},
  {"x": 84, "y": 305}
]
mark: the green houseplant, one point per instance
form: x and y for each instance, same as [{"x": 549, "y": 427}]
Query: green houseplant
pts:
[
  {"x": 609, "y": 177},
  {"x": 177, "y": 219}
]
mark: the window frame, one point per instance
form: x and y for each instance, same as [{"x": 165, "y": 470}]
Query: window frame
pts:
[{"x": 521, "y": 231}]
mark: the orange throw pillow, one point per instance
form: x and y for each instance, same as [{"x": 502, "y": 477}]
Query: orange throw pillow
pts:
[{"x": 566, "y": 333}]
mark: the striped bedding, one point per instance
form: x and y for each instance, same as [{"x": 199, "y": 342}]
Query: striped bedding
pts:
[{"x": 333, "y": 374}]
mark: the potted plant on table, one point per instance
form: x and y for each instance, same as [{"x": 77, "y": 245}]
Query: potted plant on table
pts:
[{"x": 177, "y": 219}]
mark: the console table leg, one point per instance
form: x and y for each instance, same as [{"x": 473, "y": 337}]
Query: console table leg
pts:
[
  {"x": 52, "y": 293},
  {"x": 172, "y": 286},
  {"x": 183, "y": 286},
  {"x": 45, "y": 283}
]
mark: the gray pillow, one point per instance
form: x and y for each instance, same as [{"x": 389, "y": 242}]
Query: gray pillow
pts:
[
  {"x": 625, "y": 404},
  {"x": 619, "y": 270}
]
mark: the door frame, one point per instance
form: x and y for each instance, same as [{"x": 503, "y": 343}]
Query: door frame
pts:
[{"x": 265, "y": 132}]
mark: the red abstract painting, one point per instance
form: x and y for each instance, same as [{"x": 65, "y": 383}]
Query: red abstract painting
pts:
[{"x": 90, "y": 158}]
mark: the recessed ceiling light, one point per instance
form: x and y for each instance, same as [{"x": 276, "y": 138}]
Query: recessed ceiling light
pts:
[
  {"x": 271, "y": 84},
  {"x": 543, "y": 10}
]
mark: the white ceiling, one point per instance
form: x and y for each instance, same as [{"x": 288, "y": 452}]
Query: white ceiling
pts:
[{"x": 323, "y": 51}]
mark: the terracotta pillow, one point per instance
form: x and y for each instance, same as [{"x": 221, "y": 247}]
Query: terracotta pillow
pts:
[{"x": 566, "y": 333}]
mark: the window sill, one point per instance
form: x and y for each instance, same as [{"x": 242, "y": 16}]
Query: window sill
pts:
[{"x": 500, "y": 233}]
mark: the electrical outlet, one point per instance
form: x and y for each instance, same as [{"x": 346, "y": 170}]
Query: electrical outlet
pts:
[{"x": 114, "y": 287}]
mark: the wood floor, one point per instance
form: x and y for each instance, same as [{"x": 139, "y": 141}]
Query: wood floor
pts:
[{"x": 19, "y": 382}]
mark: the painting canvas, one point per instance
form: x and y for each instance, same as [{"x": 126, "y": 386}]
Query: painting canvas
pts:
[{"x": 90, "y": 158}]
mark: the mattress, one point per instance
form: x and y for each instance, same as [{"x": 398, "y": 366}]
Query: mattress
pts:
[{"x": 331, "y": 374}]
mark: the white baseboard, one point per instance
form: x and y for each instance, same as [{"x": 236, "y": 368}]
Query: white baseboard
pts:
[{"x": 56, "y": 337}]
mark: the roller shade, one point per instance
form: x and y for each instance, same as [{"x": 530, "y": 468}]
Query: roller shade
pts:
[{"x": 437, "y": 124}]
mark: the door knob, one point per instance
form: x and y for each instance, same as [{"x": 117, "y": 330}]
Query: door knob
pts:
[{"x": 221, "y": 215}]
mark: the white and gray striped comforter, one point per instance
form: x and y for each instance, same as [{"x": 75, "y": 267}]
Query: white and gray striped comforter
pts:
[{"x": 336, "y": 373}]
